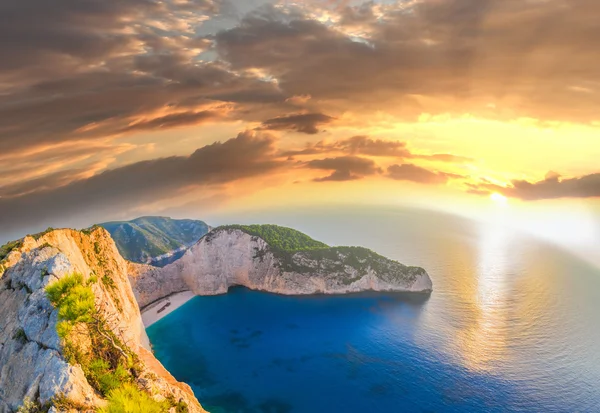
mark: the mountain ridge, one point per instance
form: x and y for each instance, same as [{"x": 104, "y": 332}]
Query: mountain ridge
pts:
[{"x": 155, "y": 240}]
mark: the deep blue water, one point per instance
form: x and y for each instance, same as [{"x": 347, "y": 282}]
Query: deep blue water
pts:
[{"x": 512, "y": 325}]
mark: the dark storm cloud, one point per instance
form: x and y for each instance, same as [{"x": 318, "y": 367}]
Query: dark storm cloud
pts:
[
  {"x": 247, "y": 155},
  {"x": 345, "y": 168},
  {"x": 414, "y": 173},
  {"x": 306, "y": 123},
  {"x": 587, "y": 186},
  {"x": 533, "y": 59}
]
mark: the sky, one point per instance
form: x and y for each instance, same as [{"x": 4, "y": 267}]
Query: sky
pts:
[{"x": 187, "y": 108}]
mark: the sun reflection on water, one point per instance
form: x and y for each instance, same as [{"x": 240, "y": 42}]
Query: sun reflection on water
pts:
[{"x": 482, "y": 340}]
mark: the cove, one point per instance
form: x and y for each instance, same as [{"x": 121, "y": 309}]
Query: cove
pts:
[{"x": 507, "y": 329}]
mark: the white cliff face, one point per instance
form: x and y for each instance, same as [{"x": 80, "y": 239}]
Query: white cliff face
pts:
[
  {"x": 231, "y": 257},
  {"x": 32, "y": 363}
]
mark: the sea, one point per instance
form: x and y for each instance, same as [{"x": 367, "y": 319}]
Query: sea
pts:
[{"x": 513, "y": 325}]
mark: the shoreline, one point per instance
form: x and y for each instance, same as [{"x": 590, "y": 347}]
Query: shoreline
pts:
[
  {"x": 164, "y": 306},
  {"x": 161, "y": 308}
]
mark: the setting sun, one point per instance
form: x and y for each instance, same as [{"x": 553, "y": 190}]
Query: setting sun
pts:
[{"x": 499, "y": 198}]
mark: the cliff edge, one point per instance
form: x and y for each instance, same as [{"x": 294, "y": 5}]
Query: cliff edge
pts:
[
  {"x": 71, "y": 335},
  {"x": 288, "y": 263}
]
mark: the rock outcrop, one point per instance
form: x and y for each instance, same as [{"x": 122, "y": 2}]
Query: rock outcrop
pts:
[
  {"x": 33, "y": 364},
  {"x": 229, "y": 257}
]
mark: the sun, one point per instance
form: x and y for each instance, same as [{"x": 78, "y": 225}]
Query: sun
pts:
[{"x": 499, "y": 198}]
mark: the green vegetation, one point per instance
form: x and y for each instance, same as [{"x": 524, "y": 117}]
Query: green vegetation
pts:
[
  {"x": 106, "y": 362},
  {"x": 110, "y": 367},
  {"x": 288, "y": 245},
  {"x": 74, "y": 300},
  {"x": 41, "y": 234},
  {"x": 106, "y": 379},
  {"x": 29, "y": 406},
  {"x": 129, "y": 399},
  {"x": 150, "y": 237},
  {"x": 362, "y": 259},
  {"x": 280, "y": 238},
  {"x": 7, "y": 249},
  {"x": 20, "y": 336}
]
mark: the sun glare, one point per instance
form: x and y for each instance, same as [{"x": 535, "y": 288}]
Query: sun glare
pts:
[{"x": 499, "y": 198}]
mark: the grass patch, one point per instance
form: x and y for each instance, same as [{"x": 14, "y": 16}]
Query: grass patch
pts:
[
  {"x": 74, "y": 300},
  {"x": 130, "y": 399},
  {"x": 279, "y": 238},
  {"x": 106, "y": 362}
]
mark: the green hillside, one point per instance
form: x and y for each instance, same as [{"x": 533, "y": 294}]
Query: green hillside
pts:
[
  {"x": 145, "y": 238},
  {"x": 280, "y": 238}
]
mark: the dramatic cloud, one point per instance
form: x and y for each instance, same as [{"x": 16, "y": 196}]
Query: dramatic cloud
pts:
[
  {"x": 356, "y": 145},
  {"x": 363, "y": 145},
  {"x": 374, "y": 147},
  {"x": 345, "y": 168},
  {"x": 83, "y": 83},
  {"x": 493, "y": 58},
  {"x": 553, "y": 186},
  {"x": 414, "y": 173},
  {"x": 245, "y": 156},
  {"x": 305, "y": 123}
]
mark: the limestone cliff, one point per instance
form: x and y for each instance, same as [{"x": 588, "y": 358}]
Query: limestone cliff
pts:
[
  {"x": 228, "y": 257},
  {"x": 33, "y": 363}
]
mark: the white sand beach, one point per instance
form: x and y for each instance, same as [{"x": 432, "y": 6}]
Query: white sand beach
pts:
[{"x": 162, "y": 307}]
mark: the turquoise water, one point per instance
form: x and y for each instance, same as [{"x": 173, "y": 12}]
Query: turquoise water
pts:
[{"x": 512, "y": 325}]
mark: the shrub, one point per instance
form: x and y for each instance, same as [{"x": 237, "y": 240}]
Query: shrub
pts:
[
  {"x": 129, "y": 399},
  {"x": 181, "y": 407},
  {"x": 74, "y": 301},
  {"x": 29, "y": 406},
  {"x": 20, "y": 336},
  {"x": 105, "y": 379},
  {"x": 45, "y": 245},
  {"x": 107, "y": 363}
]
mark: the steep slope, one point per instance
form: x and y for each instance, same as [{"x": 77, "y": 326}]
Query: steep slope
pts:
[
  {"x": 238, "y": 255},
  {"x": 102, "y": 343},
  {"x": 155, "y": 240}
]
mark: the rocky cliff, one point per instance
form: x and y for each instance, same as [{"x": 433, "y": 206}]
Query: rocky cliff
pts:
[
  {"x": 38, "y": 364},
  {"x": 229, "y": 256}
]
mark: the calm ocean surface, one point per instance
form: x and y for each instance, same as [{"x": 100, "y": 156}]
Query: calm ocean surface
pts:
[{"x": 512, "y": 325}]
